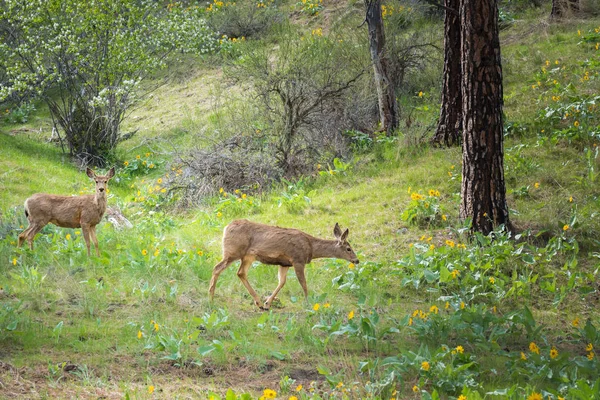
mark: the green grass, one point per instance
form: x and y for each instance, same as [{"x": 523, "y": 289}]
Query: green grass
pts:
[{"x": 57, "y": 306}]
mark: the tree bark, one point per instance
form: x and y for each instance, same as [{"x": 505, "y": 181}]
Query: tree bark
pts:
[
  {"x": 483, "y": 190},
  {"x": 388, "y": 106},
  {"x": 450, "y": 123}
]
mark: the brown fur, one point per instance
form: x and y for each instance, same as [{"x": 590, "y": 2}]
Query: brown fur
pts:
[
  {"x": 250, "y": 241},
  {"x": 83, "y": 212}
]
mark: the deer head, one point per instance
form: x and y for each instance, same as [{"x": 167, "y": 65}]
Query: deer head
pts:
[
  {"x": 343, "y": 248},
  {"x": 101, "y": 181}
]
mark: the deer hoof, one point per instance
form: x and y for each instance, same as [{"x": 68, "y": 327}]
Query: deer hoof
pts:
[{"x": 264, "y": 308}]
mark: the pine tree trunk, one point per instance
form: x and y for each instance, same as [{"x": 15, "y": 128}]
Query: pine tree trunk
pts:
[
  {"x": 450, "y": 124},
  {"x": 388, "y": 106},
  {"x": 483, "y": 190}
]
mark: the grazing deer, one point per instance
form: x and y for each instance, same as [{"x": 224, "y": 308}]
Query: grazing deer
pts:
[
  {"x": 83, "y": 212},
  {"x": 249, "y": 241}
]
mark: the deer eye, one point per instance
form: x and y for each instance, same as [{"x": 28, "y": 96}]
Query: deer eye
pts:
[{"x": 349, "y": 249}]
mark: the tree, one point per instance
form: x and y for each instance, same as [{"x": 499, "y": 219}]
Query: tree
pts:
[
  {"x": 483, "y": 191},
  {"x": 449, "y": 127},
  {"x": 86, "y": 60},
  {"x": 297, "y": 82},
  {"x": 388, "y": 106}
]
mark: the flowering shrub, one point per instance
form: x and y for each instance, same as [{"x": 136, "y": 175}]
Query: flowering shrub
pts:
[
  {"x": 310, "y": 7},
  {"x": 424, "y": 210},
  {"x": 235, "y": 204},
  {"x": 140, "y": 165}
]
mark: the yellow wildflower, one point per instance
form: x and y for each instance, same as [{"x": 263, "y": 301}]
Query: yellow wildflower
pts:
[
  {"x": 455, "y": 273},
  {"x": 590, "y": 355},
  {"x": 575, "y": 322},
  {"x": 14, "y": 261},
  {"x": 140, "y": 334},
  {"x": 462, "y": 397},
  {"x": 553, "y": 353},
  {"x": 316, "y": 307},
  {"x": 523, "y": 356},
  {"x": 351, "y": 314},
  {"x": 298, "y": 388},
  {"x": 536, "y": 185},
  {"x": 449, "y": 243},
  {"x": 434, "y": 309},
  {"x": 351, "y": 266},
  {"x": 269, "y": 394},
  {"x": 534, "y": 395},
  {"x": 566, "y": 228},
  {"x": 589, "y": 347},
  {"x": 416, "y": 389},
  {"x": 460, "y": 349},
  {"x": 534, "y": 348},
  {"x": 144, "y": 252},
  {"x": 150, "y": 389},
  {"x": 425, "y": 366},
  {"x": 492, "y": 280}
]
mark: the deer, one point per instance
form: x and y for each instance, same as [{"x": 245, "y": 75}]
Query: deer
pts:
[
  {"x": 83, "y": 212},
  {"x": 249, "y": 241}
]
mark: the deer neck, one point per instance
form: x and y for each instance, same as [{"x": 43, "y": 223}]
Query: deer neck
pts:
[
  {"x": 322, "y": 248},
  {"x": 100, "y": 202}
]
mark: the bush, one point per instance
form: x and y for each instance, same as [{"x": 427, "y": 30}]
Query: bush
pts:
[
  {"x": 242, "y": 19},
  {"x": 238, "y": 162}
]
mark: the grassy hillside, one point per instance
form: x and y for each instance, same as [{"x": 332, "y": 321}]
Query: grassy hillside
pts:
[{"x": 428, "y": 312}]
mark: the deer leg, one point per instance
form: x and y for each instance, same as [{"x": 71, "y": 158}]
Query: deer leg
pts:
[
  {"x": 94, "y": 239},
  {"x": 23, "y": 236},
  {"x": 220, "y": 267},
  {"x": 86, "y": 235},
  {"x": 299, "y": 269},
  {"x": 282, "y": 277},
  {"x": 243, "y": 275},
  {"x": 33, "y": 230}
]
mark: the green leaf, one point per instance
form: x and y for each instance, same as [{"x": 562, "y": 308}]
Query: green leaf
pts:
[{"x": 230, "y": 395}]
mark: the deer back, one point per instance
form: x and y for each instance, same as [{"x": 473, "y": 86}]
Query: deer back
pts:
[
  {"x": 267, "y": 244},
  {"x": 65, "y": 211}
]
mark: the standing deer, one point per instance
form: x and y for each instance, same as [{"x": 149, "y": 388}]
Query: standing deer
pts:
[
  {"x": 249, "y": 241},
  {"x": 83, "y": 212}
]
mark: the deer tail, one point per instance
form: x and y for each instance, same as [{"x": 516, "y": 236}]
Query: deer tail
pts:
[{"x": 26, "y": 208}]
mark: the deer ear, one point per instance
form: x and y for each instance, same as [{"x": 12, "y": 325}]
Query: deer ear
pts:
[
  {"x": 344, "y": 235},
  {"x": 337, "y": 232},
  {"x": 111, "y": 173},
  {"x": 90, "y": 173}
]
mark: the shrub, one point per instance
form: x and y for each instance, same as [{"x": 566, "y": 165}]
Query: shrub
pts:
[{"x": 242, "y": 18}]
